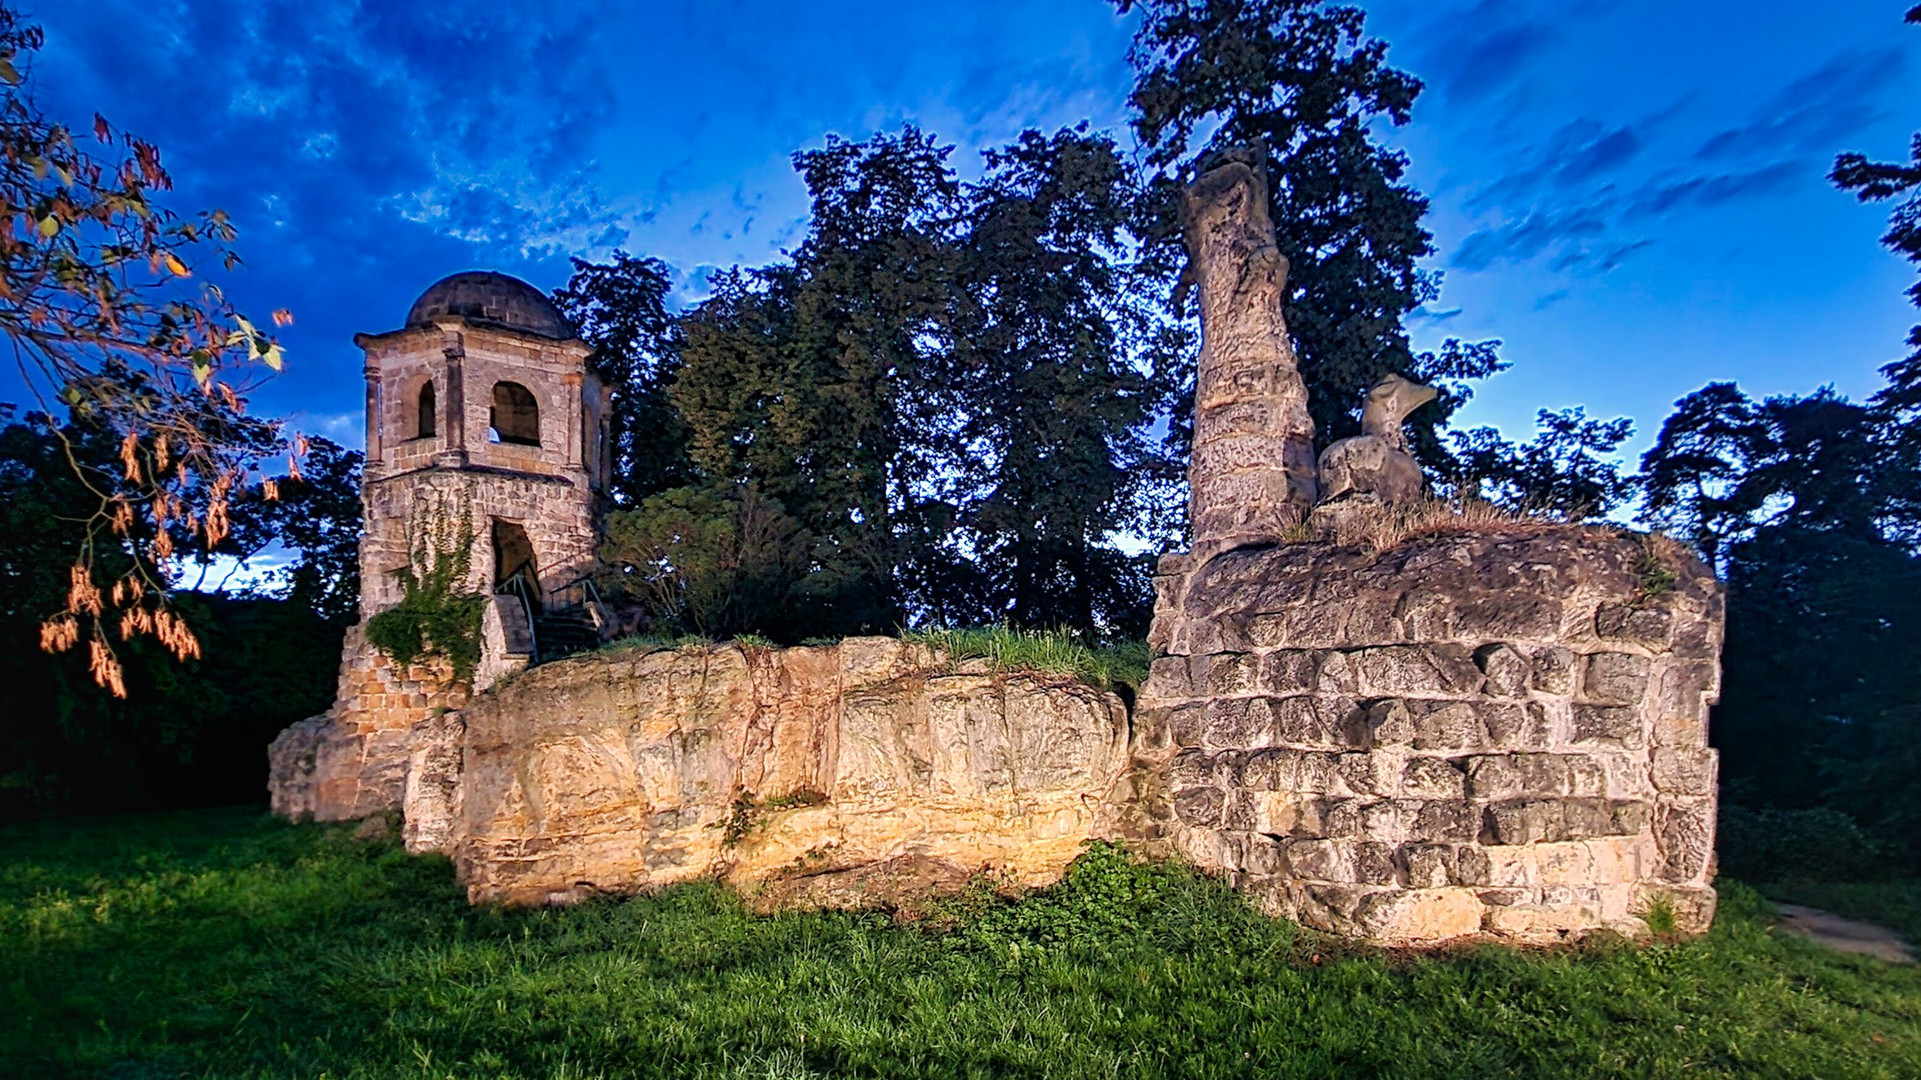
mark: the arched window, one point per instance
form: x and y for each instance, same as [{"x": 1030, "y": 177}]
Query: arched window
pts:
[
  {"x": 515, "y": 416},
  {"x": 424, "y": 418}
]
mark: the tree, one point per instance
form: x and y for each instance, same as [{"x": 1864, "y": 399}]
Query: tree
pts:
[
  {"x": 1898, "y": 403},
  {"x": 717, "y": 560},
  {"x": 1725, "y": 466},
  {"x": 1301, "y": 79},
  {"x": 190, "y": 732},
  {"x": 1054, "y": 414},
  {"x": 813, "y": 380},
  {"x": 1560, "y": 471},
  {"x": 319, "y": 515},
  {"x": 620, "y": 308},
  {"x": 103, "y": 327},
  {"x": 1789, "y": 497}
]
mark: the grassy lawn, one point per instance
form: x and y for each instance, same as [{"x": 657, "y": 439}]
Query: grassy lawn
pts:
[{"x": 223, "y": 944}]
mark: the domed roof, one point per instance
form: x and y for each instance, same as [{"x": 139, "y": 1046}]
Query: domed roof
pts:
[{"x": 486, "y": 296}]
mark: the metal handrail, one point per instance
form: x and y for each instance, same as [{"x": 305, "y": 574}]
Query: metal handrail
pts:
[
  {"x": 589, "y": 592},
  {"x": 517, "y": 586}
]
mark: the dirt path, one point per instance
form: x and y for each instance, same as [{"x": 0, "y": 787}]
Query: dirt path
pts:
[{"x": 1846, "y": 935}]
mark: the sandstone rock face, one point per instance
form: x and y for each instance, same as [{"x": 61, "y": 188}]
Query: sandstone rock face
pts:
[
  {"x": 1465, "y": 735},
  {"x": 849, "y": 774},
  {"x": 1252, "y": 469}
]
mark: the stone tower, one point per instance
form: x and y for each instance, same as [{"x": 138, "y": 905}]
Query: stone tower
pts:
[
  {"x": 482, "y": 407},
  {"x": 486, "y": 432}
]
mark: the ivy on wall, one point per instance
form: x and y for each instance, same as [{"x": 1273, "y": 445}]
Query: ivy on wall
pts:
[{"x": 436, "y": 616}]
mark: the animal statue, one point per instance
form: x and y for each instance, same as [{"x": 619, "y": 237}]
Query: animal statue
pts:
[
  {"x": 1375, "y": 467},
  {"x": 1389, "y": 403}
]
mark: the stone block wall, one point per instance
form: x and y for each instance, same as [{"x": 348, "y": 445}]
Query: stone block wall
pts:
[
  {"x": 351, "y": 761},
  {"x": 1470, "y": 734},
  {"x": 557, "y": 515}
]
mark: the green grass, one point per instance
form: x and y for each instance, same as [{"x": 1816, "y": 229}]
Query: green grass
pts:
[
  {"x": 1042, "y": 652},
  {"x": 223, "y": 944}
]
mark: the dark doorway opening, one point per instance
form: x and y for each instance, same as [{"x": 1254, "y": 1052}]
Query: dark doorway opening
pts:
[{"x": 514, "y": 559}]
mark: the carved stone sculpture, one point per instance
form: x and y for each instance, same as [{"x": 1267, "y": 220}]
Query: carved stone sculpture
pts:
[
  {"x": 1252, "y": 470},
  {"x": 1375, "y": 468}
]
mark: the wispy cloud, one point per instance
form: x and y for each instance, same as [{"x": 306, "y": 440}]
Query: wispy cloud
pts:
[{"x": 1591, "y": 195}]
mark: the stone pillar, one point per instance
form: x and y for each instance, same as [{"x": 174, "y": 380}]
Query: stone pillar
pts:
[
  {"x": 455, "y": 452},
  {"x": 1252, "y": 471},
  {"x": 572, "y": 382},
  {"x": 375, "y": 464}
]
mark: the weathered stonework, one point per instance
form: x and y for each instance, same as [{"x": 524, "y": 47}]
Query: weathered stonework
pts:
[
  {"x": 1498, "y": 733},
  {"x": 1252, "y": 469},
  {"x": 1470, "y": 734},
  {"x": 847, "y": 774},
  {"x": 434, "y": 460},
  {"x": 351, "y": 761}
]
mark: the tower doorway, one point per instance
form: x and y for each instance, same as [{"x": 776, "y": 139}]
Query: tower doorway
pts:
[{"x": 514, "y": 558}]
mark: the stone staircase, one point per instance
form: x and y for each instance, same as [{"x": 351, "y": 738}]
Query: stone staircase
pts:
[{"x": 564, "y": 632}]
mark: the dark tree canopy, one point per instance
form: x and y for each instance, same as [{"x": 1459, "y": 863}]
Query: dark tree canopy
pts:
[
  {"x": 105, "y": 326},
  {"x": 620, "y": 308},
  {"x": 1302, "y": 79}
]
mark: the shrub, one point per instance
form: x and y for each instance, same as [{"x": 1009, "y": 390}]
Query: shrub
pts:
[
  {"x": 719, "y": 560},
  {"x": 1790, "y": 845}
]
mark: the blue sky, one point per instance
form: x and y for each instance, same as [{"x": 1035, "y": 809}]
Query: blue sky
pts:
[{"x": 1630, "y": 193}]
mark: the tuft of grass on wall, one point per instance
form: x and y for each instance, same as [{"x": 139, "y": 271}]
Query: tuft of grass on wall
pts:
[{"x": 1040, "y": 652}]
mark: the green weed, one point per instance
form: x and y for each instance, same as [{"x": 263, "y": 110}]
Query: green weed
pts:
[{"x": 1042, "y": 652}]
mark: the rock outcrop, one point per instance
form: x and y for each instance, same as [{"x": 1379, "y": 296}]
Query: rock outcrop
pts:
[
  {"x": 1469, "y": 734},
  {"x": 856, "y": 773}
]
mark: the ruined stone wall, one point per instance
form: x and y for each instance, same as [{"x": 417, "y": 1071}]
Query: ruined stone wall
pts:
[
  {"x": 351, "y": 761},
  {"x": 854, "y": 773},
  {"x": 1464, "y": 735}
]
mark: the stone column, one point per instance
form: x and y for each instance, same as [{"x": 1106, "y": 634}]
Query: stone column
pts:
[
  {"x": 1251, "y": 475},
  {"x": 454, "y": 452},
  {"x": 572, "y": 382},
  {"x": 375, "y": 463}
]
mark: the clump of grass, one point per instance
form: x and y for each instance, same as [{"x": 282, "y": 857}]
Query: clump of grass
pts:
[
  {"x": 1659, "y": 916},
  {"x": 1039, "y": 652},
  {"x": 1657, "y": 566},
  {"x": 654, "y": 643},
  {"x": 747, "y": 813},
  {"x": 754, "y": 641},
  {"x": 1379, "y": 529}
]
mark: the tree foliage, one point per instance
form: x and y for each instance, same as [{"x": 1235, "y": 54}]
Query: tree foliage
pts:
[
  {"x": 1560, "y": 472},
  {"x": 187, "y": 733},
  {"x": 1053, "y": 410},
  {"x": 719, "y": 560},
  {"x": 318, "y": 515},
  {"x": 620, "y": 308},
  {"x": 1304, "y": 80},
  {"x": 97, "y": 308}
]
